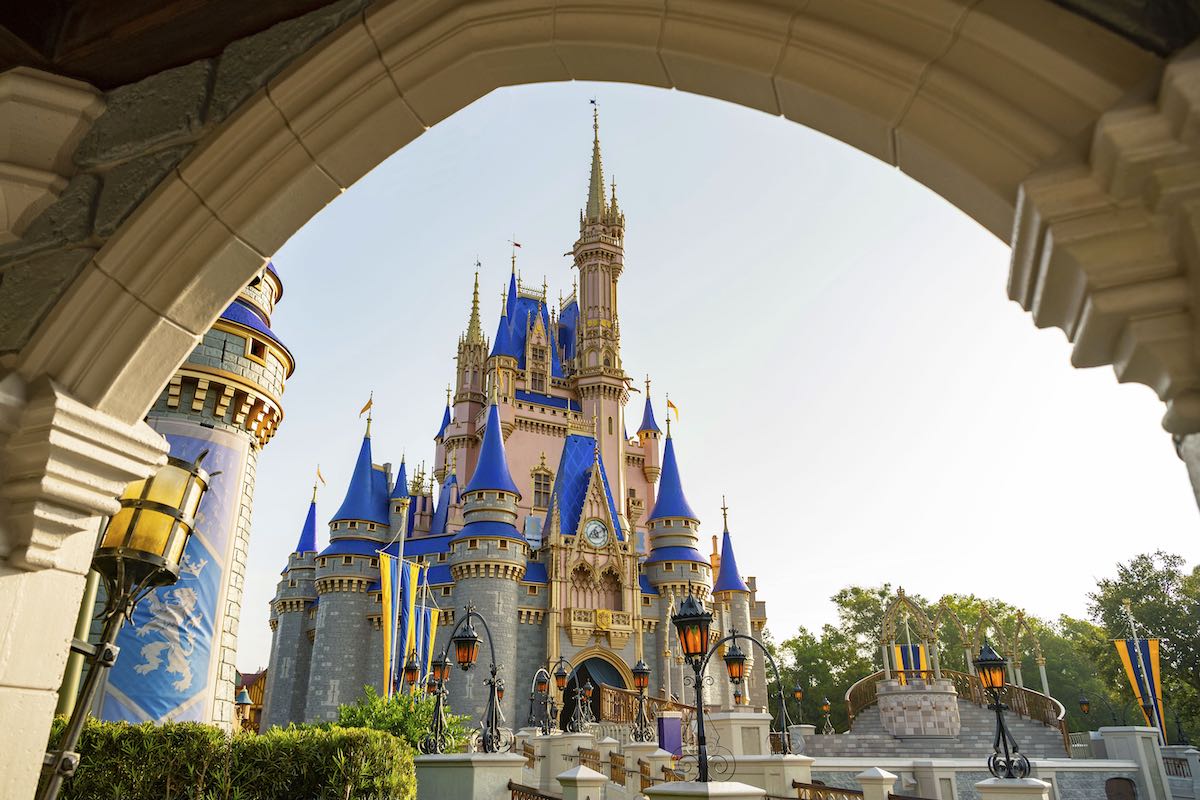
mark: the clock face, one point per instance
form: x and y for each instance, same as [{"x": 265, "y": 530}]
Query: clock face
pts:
[{"x": 596, "y": 533}]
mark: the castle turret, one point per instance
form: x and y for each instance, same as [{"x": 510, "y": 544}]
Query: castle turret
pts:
[
  {"x": 348, "y": 611},
  {"x": 487, "y": 560},
  {"x": 400, "y": 506},
  {"x": 441, "y": 458},
  {"x": 599, "y": 256},
  {"x": 291, "y": 649},
  {"x": 649, "y": 436},
  {"x": 732, "y": 597},
  {"x": 223, "y": 399},
  {"x": 470, "y": 393},
  {"x": 502, "y": 363}
]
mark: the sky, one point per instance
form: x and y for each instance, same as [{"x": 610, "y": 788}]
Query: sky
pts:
[{"x": 849, "y": 370}]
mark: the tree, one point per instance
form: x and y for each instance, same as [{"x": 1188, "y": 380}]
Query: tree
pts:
[
  {"x": 1165, "y": 599},
  {"x": 405, "y": 716}
]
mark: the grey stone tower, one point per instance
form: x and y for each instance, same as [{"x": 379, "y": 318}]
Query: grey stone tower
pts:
[
  {"x": 488, "y": 559},
  {"x": 348, "y": 613},
  {"x": 224, "y": 399},
  {"x": 291, "y": 647}
]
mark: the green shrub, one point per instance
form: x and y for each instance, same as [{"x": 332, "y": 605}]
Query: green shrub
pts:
[
  {"x": 405, "y": 716},
  {"x": 189, "y": 761}
]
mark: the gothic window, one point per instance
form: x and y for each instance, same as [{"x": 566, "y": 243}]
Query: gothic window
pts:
[
  {"x": 539, "y": 354},
  {"x": 609, "y": 422},
  {"x": 537, "y": 383},
  {"x": 541, "y": 489},
  {"x": 583, "y": 587},
  {"x": 610, "y": 590}
]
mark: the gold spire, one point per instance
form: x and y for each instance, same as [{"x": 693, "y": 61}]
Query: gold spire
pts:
[
  {"x": 595, "y": 199},
  {"x": 724, "y": 513},
  {"x": 449, "y": 391},
  {"x": 647, "y": 384},
  {"x": 474, "y": 330}
]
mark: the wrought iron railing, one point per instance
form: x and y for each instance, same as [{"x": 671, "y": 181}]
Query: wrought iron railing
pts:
[
  {"x": 616, "y": 768},
  {"x": 521, "y": 792},
  {"x": 862, "y": 694},
  {"x": 620, "y": 706},
  {"x": 645, "y": 778},
  {"x": 815, "y": 791}
]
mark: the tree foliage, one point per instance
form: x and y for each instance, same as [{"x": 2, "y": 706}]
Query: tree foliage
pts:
[{"x": 405, "y": 716}]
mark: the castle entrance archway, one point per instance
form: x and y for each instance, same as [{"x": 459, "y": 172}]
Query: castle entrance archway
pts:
[{"x": 598, "y": 671}]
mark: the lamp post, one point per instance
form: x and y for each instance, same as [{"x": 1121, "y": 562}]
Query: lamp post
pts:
[
  {"x": 827, "y": 730},
  {"x": 539, "y": 691},
  {"x": 466, "y": 652},
  {"x": 412, "y": 671},
  {"x": 692, "y": 623},
  {"x": 1006, "y": 760},
  {"x": 242, "y": 708},
  {"x": 798, "y": 696},
  {"x": 582, "y": 715},
  {"x": 1085, "y": 708},
  {"x": 642, "y": 732},
  {"x": 140, "y": 551}
]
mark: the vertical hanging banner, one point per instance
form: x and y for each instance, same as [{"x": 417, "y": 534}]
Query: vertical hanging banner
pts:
[
  {"x": 168, "y": 667},
  {"x": 909, "y": 657},
  {"x": 1139, "y": 657},
  {"x": 389, "y": 580},
  {"x": 406, "y": 627}
]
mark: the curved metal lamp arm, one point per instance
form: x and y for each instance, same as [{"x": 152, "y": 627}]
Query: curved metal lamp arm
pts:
[{"x": 732, "y": 637}]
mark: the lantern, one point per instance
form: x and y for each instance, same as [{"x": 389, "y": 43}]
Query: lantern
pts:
[
  {"x": 500, "y": 690},
  {"x": 798, "y": 692},
  {"x": 466, "y": 646},
  {"x": 441, "y": 669},
  {"x": 587, "y": 690},
  {"x": 735, "y": 663},
  {"x": 243, "y": 699},
  {"x": 825, "y": 705},
  {"x": 641, "y": 676},
  {"x": 1084, "y": 704},
  {"x": 145, "y": 539},
  {"x": 692, "y": 623},
  {"x": 737, "y": 696},
  {"x": 412, "y": 670},
  {"x": 990, "y": 668},
  {"x": 542, "y": 683},
  {"x": 431, "y": 685},
  {"x": 560, "y": 678}
]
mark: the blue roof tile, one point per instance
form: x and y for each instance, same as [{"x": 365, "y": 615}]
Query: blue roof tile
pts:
[
  {"x": 535, "y": 572},
  {"x": 424, "y": 545},
  {"x": 568, "y": 320},
  {"x": 439, "y": 573},
  {"x": 646, "y": 586},
  {"x": 401, "y": 487},
  {"x": 728, "y": 578},
  {"x": 648, "y": 423},
  {"x": 308, "y": 534},
  {"x": 445, "y": 424},
  {"x": 503, "y": 345},
  {"x": 488, "y": 528},
  {"x": 671, "y": 502},
  {"x": 245, "y": 315},
  {"x": 491, "y": 471},
  {"x": 367, "y": 495},
  {"x": 547, "y": 400},
  {"x": 351, "y": 547},
  {"x": 441, "y": 511},
  {"x": 675, "y": 553},
  {"x": 570, "y": 485}
]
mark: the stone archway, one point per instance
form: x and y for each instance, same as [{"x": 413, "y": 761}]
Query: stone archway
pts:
[{"x": 1054, "y": 134}]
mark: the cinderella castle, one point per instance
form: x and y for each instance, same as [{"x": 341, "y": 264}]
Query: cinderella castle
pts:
[{"x": 570, "y": 536}]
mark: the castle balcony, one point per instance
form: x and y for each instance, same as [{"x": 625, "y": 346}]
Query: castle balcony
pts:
[{"x": 583, "y": 624}]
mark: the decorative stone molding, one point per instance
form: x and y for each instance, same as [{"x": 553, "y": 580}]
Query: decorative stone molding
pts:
[
  {"x": 62, "y": 464},
  {"x": 45, "y": 117},
  {"x": 1109, "y": 250}
]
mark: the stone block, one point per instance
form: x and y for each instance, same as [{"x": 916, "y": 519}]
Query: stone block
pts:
[
  {"x": 29, "y": 289},
  {"x": 67, "y": 220},
  {"x": 128, "y": 184},
  {"x": 164, "y": 109},
  {"x": 467, "y": 775}
]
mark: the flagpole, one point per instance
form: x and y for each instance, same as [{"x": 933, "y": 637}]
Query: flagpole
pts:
[{"x": 1147, "y": 690}]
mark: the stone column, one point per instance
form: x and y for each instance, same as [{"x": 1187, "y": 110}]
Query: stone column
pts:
[
  {"x": 467, "y": 774},
  {"x": 970, "y": 659},
  {"x": 1139, "y": 743},
  {"x": 62, "y": 466},
  {"x": 581, "y": 783},
  {"x": 1041, "y": 665},
  {"x": 887, "y": 670},
  {"x": 1013, "y": 789},
  {"x": 877, "y": 784},
  {"x": 934, "y": 660}
]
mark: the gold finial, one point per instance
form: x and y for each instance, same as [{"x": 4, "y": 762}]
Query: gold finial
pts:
[
  {"x": 545, "y": 286},
  {"x": 543, "y": 459},
  {"x": 725, "y": 513},
  {"x": 448, "y": 393},
  {"x": 503, "y": 302},
  {"x": 647, "y": 384},
  {"x": 474, "y": 331}
]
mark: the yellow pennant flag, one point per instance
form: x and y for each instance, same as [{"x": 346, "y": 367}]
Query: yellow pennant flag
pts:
[
  {"x": 367, "y": 407},
  {"x": 320, "y": 477},
  {"x": 672, "y": 407}
]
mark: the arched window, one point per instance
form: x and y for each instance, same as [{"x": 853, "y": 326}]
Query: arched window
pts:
[
  {"x": 610, "y": 589},
  {"x": 583, "y": 587}
]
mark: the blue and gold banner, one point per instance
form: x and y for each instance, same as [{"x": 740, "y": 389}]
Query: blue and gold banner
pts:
[
  {"x": 389, "y": 579},
  {"x": 170, "y": 654},
  {"x": 1140, "y": 656},
  {"x": 909, "y": 657},
  {"x": 398, "y": 581}
]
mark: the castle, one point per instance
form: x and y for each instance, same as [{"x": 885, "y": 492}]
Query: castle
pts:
[{"x": 545, "y": 517}]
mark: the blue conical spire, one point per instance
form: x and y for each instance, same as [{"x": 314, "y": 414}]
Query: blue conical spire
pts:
[
  {"x": 503, "y": 346},
  {"x": 512, "y": 284},
  {"x": 491, "y": 472},
  {"x": 401, "y": 487},
  {"x": 308, "y": 534},
  {"x": 363, "y": 500},
  {"x": 445, "y": 423},
  {"x": 648, "y": 423},
  {"x": 671, "y": 502},
  {"x": 729, "y": 579}
]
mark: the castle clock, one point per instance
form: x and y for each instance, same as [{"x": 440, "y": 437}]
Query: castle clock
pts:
[{"x": 596, "y": 533}]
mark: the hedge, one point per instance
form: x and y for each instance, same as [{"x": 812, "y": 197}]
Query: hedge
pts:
[{"x": 189, "y": 761}]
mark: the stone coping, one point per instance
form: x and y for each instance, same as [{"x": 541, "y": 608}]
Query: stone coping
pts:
[{"x": 823, "y": 764}]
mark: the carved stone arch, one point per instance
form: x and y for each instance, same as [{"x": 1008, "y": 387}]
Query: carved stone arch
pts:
[
  {"x": 902, "y": 602},
  {"x": 999, "y": 642},
  {"x": 611, "y": 588},
  {"x": 1025, "y": 637},
  {"x": 945, "y": 613}
]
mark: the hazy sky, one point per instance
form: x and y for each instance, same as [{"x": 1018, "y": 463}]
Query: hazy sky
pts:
[{"x": 838, "y": 338}]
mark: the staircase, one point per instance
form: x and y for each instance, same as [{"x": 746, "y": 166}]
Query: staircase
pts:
[{"x": 867, "y": 738}]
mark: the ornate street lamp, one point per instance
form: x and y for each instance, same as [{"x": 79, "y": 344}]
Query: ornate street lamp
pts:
[
  {"x": 412, "y": 670},
  {"x": 539, "y": 692},
  {"x": 825, "y": 708},
  {"x": 466, "y": 652},
  {"x": 692, "y": 623},
  {"x": 1085, "y": 705},
  {"x": 582, "y": 715},
  {"x": 242, "y": 705},
  {"x": 1006, "y": 760},
  {"x": 642, "y": 732},
  {"x": 140, "y": 550},
  {"x": 798, "y": 694}
]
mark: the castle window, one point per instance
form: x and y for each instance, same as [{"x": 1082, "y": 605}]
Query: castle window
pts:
[
  {"x": 533, "y": 590},
  {"x": 695, "y": 567},
  {"x": 609, "y": 423},
  {"x": 353, "y": 526},
  {"x": 503, "y": 544},
  {"x": 669, "y": 567},
  {"x": 441, "y": 557},
  {"x": 537, "y": 383},
  {"x": 645, "y": 600},
  {"x": 539, "y": 354},
  {"x": 347, "y": 560},
  {"x": 292, "y": 582},
  {"x": 541, "y": 489},
  {"x": 371, "y": 527},
  {"x": 472, "y": 544},
  {"x": 374, "y": 562},
  {"x": 258, "y": 350},
  {"x": 445, "y": 591}
]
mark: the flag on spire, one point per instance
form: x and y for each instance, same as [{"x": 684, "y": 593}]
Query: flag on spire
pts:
[
  {"x": 367, "y": 407},
  {"x": 672, "y": 407}
]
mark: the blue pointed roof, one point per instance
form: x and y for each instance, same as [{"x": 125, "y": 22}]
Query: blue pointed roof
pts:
[
  {"x": 445, "y": 423},
  {"x": 308, "y": 534},
  {"x": 367, "y": 495},
  {"x": 503, "y": 345},
  {"x": 648, "y": 423},
  {"x": 244, "y": 314},
  {"x": 512, "y": 290},
  {"x": 491, "y": 471},
  {"x": 401, "y": 487},
  {"x": 729, "y": 579},
  {"x": 441, "y": 511},
  {"x": 571, "y": 483},
  {"x": 522, "y": 317},
  {"x": 568, "y": 320},
  {"x": 671, "y": 501}
]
